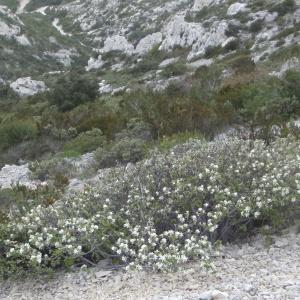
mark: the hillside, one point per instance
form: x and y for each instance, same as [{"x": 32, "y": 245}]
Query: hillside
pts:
[
  {"x": 143, "y": 41},
  {"x": 145, "y": 136}
]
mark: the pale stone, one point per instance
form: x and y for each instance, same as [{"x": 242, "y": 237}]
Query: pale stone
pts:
[
  {"x": 28, "y": 87},
  {"x": 117, "y": 43},
  {"x": 95, "y": 63},
  {"x": 236, "y": 8},
  {"x": 147, "y": 43}
]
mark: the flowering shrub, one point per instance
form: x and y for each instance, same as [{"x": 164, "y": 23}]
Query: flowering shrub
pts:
[{"x": 163, "y": 211}]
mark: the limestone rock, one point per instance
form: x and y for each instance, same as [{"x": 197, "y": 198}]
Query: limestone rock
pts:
[
  {"x": 117, "y": 43},
  {"x": 236, "y": 8},
  {"x": 168, "y": 62},
  {"x": 179, "y": 33},
  {"x": 28, "y": 87},
  {"x": 64, "y": 56},
  {"x": 148, "y": 42},
  {"x": 200, "y": 4},
  {"x": 11, "y": 175},
  {"x": 95, "y": 63},
  {"x": 213, "y": 295}
]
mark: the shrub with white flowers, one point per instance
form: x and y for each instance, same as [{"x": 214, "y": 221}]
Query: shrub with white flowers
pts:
[{"x": 163, "y": 211}]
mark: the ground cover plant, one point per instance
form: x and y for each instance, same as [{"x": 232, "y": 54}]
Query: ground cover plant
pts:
[{"x": 161, "y": 212}]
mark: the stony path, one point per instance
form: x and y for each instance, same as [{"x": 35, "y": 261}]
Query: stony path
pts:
[{"x": 252, "y": 271}]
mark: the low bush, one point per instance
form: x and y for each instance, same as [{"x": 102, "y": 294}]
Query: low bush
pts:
[
  {"x": 121, "y": 152},
  {"x": 72, "y": 90},
  {"x": 256, "y": 26},
  {"x": 161, "y": 212},
  {"x": 284, "y": 7},
  {"x": 16, "y": 131},
  {"x": 85, "y": 142},
  {"x": 176, "y": 69},
  {"x": 56, "y": 170}
]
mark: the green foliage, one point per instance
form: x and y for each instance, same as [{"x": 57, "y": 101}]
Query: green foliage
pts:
[
  {"x": 129, "y": 145},
  {"x": 242, "y": 63},
  {"x": 261, "y": 104},
  {"x": 12, "y": 4},
  {"x": 17, "y": 131},
  {"x": 169, "y": 112},
  {"x": 256, "y": 26},
  {"x": 51, "y": 169},
  {"x": 121, "y": 152},
  {"x": 168, "y": 142},
  {"x": 149, "y": 62},
  {"x": 213, "y": 51},
  {"x": 176, "y": 69},
  {"x": 292, "y": 79},
  {"x": 161, "y": 212},
  {"x": 86, "y": 142},
  {"x": 284, "y": 7},
  {"x": 72, "y": 90}
]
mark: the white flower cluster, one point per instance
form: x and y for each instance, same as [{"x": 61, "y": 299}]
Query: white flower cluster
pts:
[{"x": 166, "y": 210}]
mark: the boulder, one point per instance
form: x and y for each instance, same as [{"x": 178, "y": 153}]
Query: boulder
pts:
[
  {"x": 12, "y": 175},
  {"x": 95, "y": 63},
  {"x": 27, "y": 87},
  {"x": 236, "y": 8},
  {"x": 147, "y": 43},
  {"x": 117, "y": 43}
]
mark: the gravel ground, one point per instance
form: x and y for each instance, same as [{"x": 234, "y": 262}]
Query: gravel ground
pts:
[{"x": 259, "y": 269}]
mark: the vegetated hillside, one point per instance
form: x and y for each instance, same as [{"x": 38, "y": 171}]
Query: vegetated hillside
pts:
[{"x": 130, "y": 101}]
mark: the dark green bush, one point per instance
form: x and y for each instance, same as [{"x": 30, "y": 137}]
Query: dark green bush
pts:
[
  {"x": 242, "y": 64},
  {"x": 256, "y": 26},
  {"x": 284, "y": 7},
  {"x": 213, "y": 51},
  {"x": 86, "y": 142},
  {"x": 17, "y": 131},
  {"x": 121, "y": 152},
  {"x": 176, "y": 69},
  {"x": 292, "y": 80},
  {"x": 72, "y": 90}
]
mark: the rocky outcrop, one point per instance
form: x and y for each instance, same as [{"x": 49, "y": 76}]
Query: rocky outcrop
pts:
[
  {"x": 148, "y": 43},
  {"x": 9, "y": 30},
  {"x": 236, "y": 8},
  {"x": 179, "y": 33},
  {"x": 291, "y": 64},
  {"x": 12, "y": 175},
  {"x": 27, "y": 86},
  {"x": 64, "y": 56},
  {"x": 95, "y": 63},
  {"x": 200, "y": 4},
  {"x": 117, "y": 43}
]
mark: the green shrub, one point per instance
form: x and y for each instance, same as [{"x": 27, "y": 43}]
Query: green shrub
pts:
[
  {"x": 213, "y": 51},
  {"x": 161, "y": 212},
  {"x": 121, "y": 152},
  {"x": 284, "y": 7},
  {"x": 232, "y": 45},
  {"x": 242, "y": 63},
  {"x": 17, "y": 131},
  {"x": 176, "y": 69},
  {"x": 49, "y": 170},
  {"x": 72, "y": 90},
  {"x": 149, "y": 62},
  {"x": 256, "y": 26},
  {"x": 86, "y": 142},
  {"x": 292, "y": 79},
  {"x": 168, "y": 142},
  {"x": 260, "y": 104}
]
